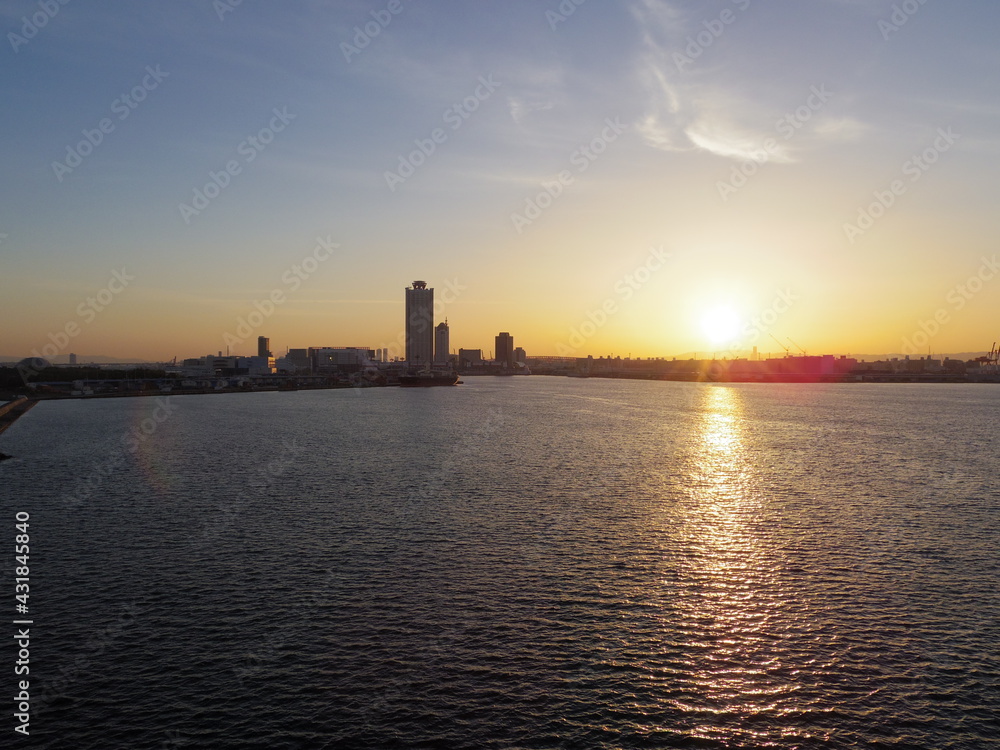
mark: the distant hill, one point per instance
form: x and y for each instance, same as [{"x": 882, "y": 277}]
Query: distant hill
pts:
[
  {"x": 81, "y": 359},
  {"x": 964, "y": 356}
]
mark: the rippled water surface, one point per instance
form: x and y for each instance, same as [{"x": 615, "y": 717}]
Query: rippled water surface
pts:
[{"x": 516, "y": 562}]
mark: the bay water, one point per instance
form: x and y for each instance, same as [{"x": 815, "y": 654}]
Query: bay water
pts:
[{"x": 526, "y": 562}]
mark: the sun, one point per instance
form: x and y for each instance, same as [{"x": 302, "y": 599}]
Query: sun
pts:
[{"x": 721, "y": 325}]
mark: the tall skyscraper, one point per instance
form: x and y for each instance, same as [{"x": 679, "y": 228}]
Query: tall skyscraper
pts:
[
  {"x": 505, "y": 350},
  {"x": 263, "y": 346},
  {"x": 442, "y": 342},
  {"x": 419, "y": 325}
]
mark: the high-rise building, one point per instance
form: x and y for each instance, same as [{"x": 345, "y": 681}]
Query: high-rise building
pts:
[
  {"x": 504, "y": 350},
  {"x": 263, "y": 346},
  {"x": 520, "y": 356},
  {"x": 72, "y": 359},
  {"x": 419, "y": 325},
  {"x": 441, "y": 343}
]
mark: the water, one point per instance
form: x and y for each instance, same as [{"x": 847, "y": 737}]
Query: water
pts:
[{"x": 516, "y": 562}]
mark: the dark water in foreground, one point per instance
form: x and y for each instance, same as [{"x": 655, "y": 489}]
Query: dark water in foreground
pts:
[{"x": 520, "y": 562}]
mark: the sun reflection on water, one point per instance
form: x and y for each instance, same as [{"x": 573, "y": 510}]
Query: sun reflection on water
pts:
[{"x": 730, "y": 603}]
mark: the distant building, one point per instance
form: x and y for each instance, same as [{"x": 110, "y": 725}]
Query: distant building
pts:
[
  {"x": 72, "y": 359},
  {"x": 299, "y": 359},
  {"x": 263, "y": 346},
  {"x": 470, "y": 357},
  {"x": 256, "y": 365},
  {"x": 219, "y": 366},
  {"x": 504, "y": 350},
  {"x": 441, "y": 343},
  {"x": 520, "y": 357},
  {"x": 345, "y": 359},
  {"x": 419, "y": 325}
]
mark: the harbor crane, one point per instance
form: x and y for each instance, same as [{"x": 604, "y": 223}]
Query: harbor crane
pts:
[
  {"x": 787, "y": 352},
  {"x": 798, "y": 347},
  {"x": 993, "y": 358}
]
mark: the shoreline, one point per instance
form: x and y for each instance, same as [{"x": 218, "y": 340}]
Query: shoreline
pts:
[
  {"x": 180, "y": 392},
  {"x": 20, "y": 404},
  {"x": 781, "y": 379}
]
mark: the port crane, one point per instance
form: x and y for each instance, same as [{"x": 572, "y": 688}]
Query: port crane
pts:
[
  {"x": 798, "y": 347},
  {"x": 994, "y": 356},
  {"x": 992, "y": 359},
  {"x": 787, "y": 351}
]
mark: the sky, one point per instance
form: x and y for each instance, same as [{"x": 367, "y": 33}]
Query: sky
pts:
[{"x": 607, "y": 177}]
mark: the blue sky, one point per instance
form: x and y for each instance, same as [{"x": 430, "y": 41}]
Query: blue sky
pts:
[{"x": 686, "y": 124}]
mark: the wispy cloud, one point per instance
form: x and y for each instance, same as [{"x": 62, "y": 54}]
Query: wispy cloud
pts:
[
  {"x": 521, "y": 107},
  {"x": 842, "y": 129},
  {"x": 683, "y": 113},
  {"x": 697, "y": 109},
  {"x": 722, "y": 139}
]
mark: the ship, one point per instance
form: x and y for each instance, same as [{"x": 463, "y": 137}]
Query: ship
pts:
[{"x": 428, "y": 378}]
